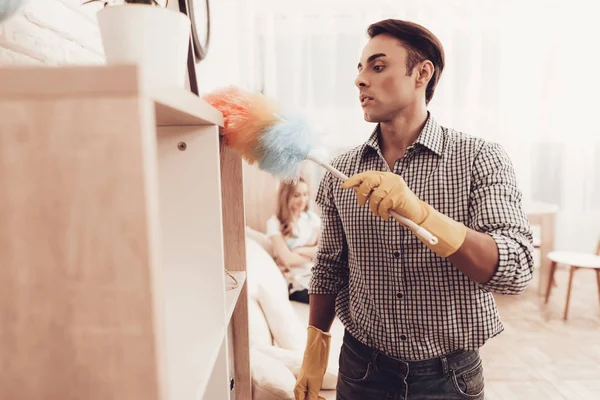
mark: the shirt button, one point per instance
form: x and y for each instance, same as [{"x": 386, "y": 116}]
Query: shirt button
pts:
[
  {"x": 396, "y": 254},
  {"x": 399, "y": 295},
  {"x": 403, "y": 337}
]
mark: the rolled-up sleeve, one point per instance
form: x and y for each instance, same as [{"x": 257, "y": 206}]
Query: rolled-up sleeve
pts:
[
  {"x": 496, "y": 209},
  {"x": 330, "y": 270}
]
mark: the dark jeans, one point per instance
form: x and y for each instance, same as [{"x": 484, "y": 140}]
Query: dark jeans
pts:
[{"x": 366, "y": 374}]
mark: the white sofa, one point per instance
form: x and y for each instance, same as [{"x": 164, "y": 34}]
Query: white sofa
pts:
[{"x": 278, "y": 328}]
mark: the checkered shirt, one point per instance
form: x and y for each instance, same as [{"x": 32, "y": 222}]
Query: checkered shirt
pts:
[{"x": 392, "y": 292}]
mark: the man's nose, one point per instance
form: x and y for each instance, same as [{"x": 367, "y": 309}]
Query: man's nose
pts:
[{"x": 360, "y": 81}]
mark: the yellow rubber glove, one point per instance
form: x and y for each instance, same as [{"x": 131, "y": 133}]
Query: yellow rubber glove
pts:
[
  {"x": 314, "y": 365},
  {"x": 387, "y": 191}
]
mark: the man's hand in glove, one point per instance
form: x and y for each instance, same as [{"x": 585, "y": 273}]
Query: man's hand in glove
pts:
[
  {"x": 387, "y": 191},
  {"x": 314, "y": 365}
]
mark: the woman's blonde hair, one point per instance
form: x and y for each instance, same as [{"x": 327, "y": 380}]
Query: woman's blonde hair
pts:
[{"x": 284, "y": 214}]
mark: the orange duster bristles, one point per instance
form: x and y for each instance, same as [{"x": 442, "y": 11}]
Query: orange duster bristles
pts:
[{"x": 246, "y": 116}]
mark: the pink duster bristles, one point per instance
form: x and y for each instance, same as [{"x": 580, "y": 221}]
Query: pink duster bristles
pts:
[{"x": 245, "y": 115}]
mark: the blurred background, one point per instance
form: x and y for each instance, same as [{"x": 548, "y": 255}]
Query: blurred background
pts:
[{"x": 520, "y": 73}]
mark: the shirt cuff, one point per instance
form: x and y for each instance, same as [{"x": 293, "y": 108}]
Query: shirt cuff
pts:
[
  {"x": 498, "y": 280},
  {"x": 324, "y": 286},
  {"x": 321, "y": 290}
]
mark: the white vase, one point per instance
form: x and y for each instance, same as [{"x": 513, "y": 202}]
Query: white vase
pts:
[{"x": 155, "y": 38}]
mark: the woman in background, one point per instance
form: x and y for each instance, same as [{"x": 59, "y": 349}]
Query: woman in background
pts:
[{"x": 294, "y": 232}]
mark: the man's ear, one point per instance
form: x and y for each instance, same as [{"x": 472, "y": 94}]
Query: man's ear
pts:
[{"x": 425, "y": 72}]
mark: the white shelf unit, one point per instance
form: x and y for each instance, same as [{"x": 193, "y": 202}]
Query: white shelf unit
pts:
[{"x": 120, "y": 211}]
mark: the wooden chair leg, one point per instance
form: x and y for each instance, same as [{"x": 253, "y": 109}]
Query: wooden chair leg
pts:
[
  {"x": 598, "y": 280},
  {"x": 571, "y": 273},
  {"x": 550, "y": 280}
]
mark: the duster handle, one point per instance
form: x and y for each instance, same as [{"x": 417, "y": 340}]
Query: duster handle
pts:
[{"x": 421, "y": 232}]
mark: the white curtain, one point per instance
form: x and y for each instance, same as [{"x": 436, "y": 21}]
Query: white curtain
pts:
[{"x": 521, "y": 73}]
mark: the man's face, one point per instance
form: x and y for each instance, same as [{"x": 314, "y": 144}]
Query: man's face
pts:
[{"x": 384, "y": 87}]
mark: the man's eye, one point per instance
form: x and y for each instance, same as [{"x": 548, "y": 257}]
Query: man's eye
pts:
[{"x": 378, "y": 68}]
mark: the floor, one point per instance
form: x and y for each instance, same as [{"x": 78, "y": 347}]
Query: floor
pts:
[{"x": 540, "y": 356}]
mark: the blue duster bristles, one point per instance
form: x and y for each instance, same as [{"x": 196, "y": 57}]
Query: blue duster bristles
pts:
[
  {"x": 9, "y": 7},
  {"x": 283, "y": 146}
]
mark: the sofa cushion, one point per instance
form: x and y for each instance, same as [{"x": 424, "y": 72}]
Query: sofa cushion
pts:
[
  {"x": 271, "y": 379},
  {"x": 268, "y": 287},
  {"x": 287, "y": 330},
  {"x": 263, "y": 240},
  {"x": 262, "y": 271},
  {"x": 292, "y": 359},
  {"x": 259, "y": 332}
]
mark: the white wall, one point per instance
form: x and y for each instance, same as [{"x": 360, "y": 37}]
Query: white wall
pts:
[
  {"x": 58, "y": 32},
  {"x": 52, "y": 32},
  {"x": 230, "y": 55}
]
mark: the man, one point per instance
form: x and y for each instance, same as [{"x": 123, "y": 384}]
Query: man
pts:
[{"x": 415, "y": 314}]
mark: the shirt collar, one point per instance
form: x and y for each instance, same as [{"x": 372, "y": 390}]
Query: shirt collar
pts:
[{"x": 431, "y": 137}]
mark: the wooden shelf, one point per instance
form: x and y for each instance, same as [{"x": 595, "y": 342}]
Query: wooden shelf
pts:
[
  {"x": 232, "y": 296},
  {"x": 148, "y": 209},
  {"x": 173, "y": 105}
]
